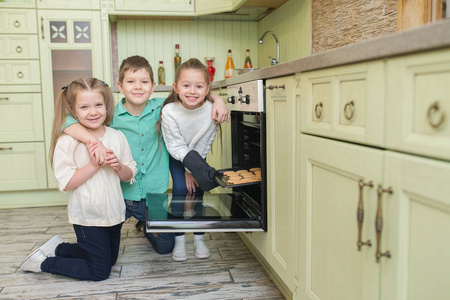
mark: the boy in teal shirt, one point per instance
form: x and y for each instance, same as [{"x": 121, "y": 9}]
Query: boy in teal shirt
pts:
[{"x": 136, "y": 116}]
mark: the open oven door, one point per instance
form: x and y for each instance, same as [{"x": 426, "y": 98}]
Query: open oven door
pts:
[{"x": 210, "y": 212}]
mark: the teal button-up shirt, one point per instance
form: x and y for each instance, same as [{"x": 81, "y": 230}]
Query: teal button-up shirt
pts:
[{"x": 151, "y": 157}]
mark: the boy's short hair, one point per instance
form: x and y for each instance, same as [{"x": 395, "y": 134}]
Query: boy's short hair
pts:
[{"x": 135, "y": 63}]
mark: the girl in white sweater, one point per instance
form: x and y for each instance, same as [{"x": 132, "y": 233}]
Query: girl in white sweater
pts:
[{"x": 188, "y": 132}]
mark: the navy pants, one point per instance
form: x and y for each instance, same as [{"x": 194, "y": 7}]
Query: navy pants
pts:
[
  {"x": 163, "y": 243},
  {"x": 91, "y": 258},
  {"x": 179, "y": 185}
]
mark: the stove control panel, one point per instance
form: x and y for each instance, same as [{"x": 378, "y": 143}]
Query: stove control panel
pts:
[{"x": 247, "y": 96}]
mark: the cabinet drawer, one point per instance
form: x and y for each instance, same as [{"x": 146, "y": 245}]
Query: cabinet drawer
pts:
[
  {"x": 418, "y": 104},
  {"x": 19, "y": 72},
  {"x": 345, "y": 103},
  {"x": 23, "y": 166},
  {"x": 18, "y": 21},
  {"x": 21, "y": 118},
  {"x": 19, "y": 46}
]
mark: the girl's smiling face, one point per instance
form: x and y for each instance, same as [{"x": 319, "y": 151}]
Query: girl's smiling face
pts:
[
  {"x": 90, "y": 110},
  {"x": 192, "y": 88}
]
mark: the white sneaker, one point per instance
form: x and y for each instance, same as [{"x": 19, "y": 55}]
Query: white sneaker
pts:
[
  {"x": 49, "y": 247},
  {"x": 201, "y": 250},
  {"x": 33, "y": 261},
  {"x": 179, "y": 251}
]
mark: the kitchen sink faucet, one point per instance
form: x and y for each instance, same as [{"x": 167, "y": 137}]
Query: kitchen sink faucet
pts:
[{"x": 277, "y": 60}]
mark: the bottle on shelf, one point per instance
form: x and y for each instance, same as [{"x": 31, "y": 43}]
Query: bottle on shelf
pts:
[
  {"x": 229, "y": 68},
  {"x": 248, "y": 61},
  {"x": 177, "y": 58},
  {"x": 210, "y": 68},
  {"x": 161, "y": 74}
]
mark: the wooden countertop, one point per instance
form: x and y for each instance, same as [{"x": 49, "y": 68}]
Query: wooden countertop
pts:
[{"x": 428, "y": 37}]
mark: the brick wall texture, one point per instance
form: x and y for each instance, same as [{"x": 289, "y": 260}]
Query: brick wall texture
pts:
[{"x": 337, "y": 23}]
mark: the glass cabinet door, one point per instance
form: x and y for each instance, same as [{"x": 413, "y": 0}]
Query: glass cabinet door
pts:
[{"x": 70, "y": 48}]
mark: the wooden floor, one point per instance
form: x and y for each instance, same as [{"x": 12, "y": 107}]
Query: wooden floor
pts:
[{"x": 231, "y": 272}]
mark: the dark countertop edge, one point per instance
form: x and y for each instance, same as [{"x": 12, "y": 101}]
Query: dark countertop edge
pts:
[{"x": 428, "y": 37}]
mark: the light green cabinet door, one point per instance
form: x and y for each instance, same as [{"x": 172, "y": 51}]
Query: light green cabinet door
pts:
[
  {"x": 216, "y": 6},
  {"x": 331, "y": 267},
  {"x": 68, "y": 4},
  {"x": 281, "y": 141},
  {"x": 418, "y": 104},
  {"x": 220, "y": 155},
  {"x": 21, "y": 118},
  {"x": 416, "y": 228},
  {"x": 23, "y": 166},
  {"x": 70, "y": 48},
  {"x": 155, "y": 5}
]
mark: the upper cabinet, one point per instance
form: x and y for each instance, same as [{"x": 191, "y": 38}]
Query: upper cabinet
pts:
[
  {"x": 64, "y": 4},
  {"x": 18, "y": 4},
  {"x": 155, "y": 5}
]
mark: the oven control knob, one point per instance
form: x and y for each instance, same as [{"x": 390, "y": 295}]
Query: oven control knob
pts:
[
  {"x": 245, "y": 99},
  {"x": 231, "y": 99}
]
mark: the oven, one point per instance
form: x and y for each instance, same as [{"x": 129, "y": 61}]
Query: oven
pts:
[{"x": 245, "y": 207}]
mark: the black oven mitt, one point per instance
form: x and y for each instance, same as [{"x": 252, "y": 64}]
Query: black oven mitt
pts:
[{"x": 203, "y": 173}]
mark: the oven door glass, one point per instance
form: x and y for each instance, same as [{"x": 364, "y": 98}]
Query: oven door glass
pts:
[{"x": 207, "y": 213}]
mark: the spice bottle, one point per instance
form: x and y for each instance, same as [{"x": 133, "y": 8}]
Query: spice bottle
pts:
[
  {"x": 229, "y": 68},
  {"x": 248, "y": 61},
  {"x": 177, "y": 58},
  {"x": 161, "y": 74}
]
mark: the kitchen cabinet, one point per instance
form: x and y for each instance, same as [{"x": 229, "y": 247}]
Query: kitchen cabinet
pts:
[
  {"x": 374, "y": 220},
  {"x": 155, "y": 5},
  {"x": 331, "y": 266},
  {"x": 22, "y": 154},
  {"x": 277, "y": 245},
  {"x": 70, "y": 48},
  {"x": 64, "y": 4},
  {"x": 345, "y": 102},
  {"x": 220, "y": 155},
  {"x": 18, "y": 4},
  {"x": 418, "y": 104}
]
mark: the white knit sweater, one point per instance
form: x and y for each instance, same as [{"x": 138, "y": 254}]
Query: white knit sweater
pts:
[{"x": 185, "y": 129}]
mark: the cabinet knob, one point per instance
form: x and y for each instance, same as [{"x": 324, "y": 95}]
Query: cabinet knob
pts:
[
  {"x": 19, "y": 49},
  {"x": 19, "y": 74},
  {"x": 435, "y": 115},
  {"x": 349, "y": 110},
  {"x": 17, "y": 23},
  {"x": 318, "y": 110},
  {"x": 231, "y": 99}
]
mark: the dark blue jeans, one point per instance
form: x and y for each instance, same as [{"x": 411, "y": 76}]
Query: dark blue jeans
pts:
[
  {"x": 179, "y": 185},
  {"x": 91, "y": 258},
  {"x": 163, "y": 243}
]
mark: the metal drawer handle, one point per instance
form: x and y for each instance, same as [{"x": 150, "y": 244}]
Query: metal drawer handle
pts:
[
  {"x": 4, "y": 99},
  {"x": 8, "y": 148},
  {"x": 272, "y": 87},
  {"x": 435, "y": 108},
  {"x": 20, "y": 74},
  {"x": 349, "y": 110},
  {"x": 318, "y": 110},
  {"x": 17, "y": 23},
  {"x": 360, "y": 214},
  {"x": 19, "y": 49},
  {"x": 379, "y": 223}
]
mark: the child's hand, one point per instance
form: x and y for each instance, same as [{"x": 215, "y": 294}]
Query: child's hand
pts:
[
  {"x": 91, "y": 147},
  {"x": 220, "y": 112},
  {"x": 191, "y": 183},
  {"x": 112, "y": 160},
  {"x": 101, "y": 153}
]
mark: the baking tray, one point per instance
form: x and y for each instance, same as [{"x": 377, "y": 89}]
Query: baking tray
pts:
[{"x": 222, "y": 179}]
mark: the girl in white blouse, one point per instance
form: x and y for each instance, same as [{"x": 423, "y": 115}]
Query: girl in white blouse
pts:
[{"x": 96, "y": 207}]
